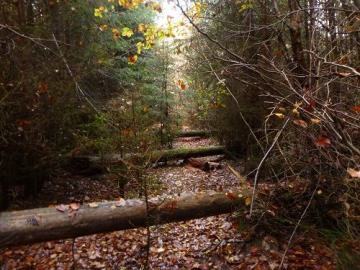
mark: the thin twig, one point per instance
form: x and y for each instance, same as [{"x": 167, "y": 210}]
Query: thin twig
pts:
[
  {"x": 297, "y": 225},
  {"x": 262, "y": 162}
]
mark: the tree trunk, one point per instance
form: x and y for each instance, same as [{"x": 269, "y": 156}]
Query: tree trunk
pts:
[
  {"x": 45, "y": 224},
  {"x": 295, "y": 36}
]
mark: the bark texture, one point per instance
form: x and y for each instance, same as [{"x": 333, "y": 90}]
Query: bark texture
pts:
[{"x": 44, "y": 224}]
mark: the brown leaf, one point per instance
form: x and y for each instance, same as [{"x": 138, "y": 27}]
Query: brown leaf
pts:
[
  {"x": 248, "y": 201},
  {"x": 231, "y": 196},
  {"x": 74, "y": 206},
  {"x": 353, "y": 173}
]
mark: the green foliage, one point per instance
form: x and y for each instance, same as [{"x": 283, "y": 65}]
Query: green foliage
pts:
[{"x": 69, "y": 83}]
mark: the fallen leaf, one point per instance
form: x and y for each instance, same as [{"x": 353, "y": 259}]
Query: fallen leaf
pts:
[
  {"x": 160, "y": 250},
  {"x": 353, "y": 173},
  {"x": 300, "y": 123},
  {"x": 62, "y": 208},
  {"x": 344, "y": 74},
  {"x": 74, "y": 206},
  {"x": 248, "y": 201},
  {"x": 93, "y": 205},
  {"x": 315, "y": 121},
  {"x": 231, "y": 196},
  {"x": 280, "y": 115},
  {"x": 132, "y": 59},
  {"x": 322, "y": 142},
  {"x": 356, "y": 108},
  {"x": 120, "y": 203}
]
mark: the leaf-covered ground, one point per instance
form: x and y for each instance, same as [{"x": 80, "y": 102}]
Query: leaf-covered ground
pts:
[{"x": 208, "y": 243}]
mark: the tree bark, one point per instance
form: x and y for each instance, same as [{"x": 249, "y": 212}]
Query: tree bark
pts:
[
  {"x": 295, "y": 36},
  {"x": 45, "y": 224}
]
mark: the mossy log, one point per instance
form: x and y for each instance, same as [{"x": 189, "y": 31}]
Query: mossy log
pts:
[
  {"x": 45, "y": 224},
  {"x": 157, "y": 156},
  {"x": 193, "y": 133},
  {"x": 185, "y": 153}
]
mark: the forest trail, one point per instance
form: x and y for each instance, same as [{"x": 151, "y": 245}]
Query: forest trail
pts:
[{"x": 207, "y": 243}]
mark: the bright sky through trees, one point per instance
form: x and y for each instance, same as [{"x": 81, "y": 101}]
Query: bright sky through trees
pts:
[{"x": 169, "y": 10}]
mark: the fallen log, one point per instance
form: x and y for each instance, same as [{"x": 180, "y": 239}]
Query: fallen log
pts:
[
  {"x": 193, "y": 133},
  {"x": 157, "y": 156},
  {"x": 45, "y": 224},
  {"x": 185, "y": 153}
]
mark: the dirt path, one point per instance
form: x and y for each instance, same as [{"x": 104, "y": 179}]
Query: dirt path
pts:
[{"x": 208, "y": 243}]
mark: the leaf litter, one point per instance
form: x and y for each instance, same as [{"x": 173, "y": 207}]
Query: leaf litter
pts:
[{"x": 207, "y": 243}]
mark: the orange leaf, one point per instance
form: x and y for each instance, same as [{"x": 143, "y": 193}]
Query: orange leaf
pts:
[
  {"x": 132, "y": 59},
  {"x": 301, "y": 123},
  {"x": 315, "y": 121},
  {"x": 43, "y": 88},
  {"x": 323, "y": 141},
  {"x": 182, "y": 85},
  {"x": 356, "y": 108}
]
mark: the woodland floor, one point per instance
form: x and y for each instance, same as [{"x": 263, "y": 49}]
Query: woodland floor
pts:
[{"x": 207, "y": 243}]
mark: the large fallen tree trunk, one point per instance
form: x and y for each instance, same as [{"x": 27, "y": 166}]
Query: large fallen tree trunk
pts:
[
  {"x": 161, "y": 155},
  {"x": 184, "y": 153},
  {"x": 44, "y": 224},
  {"x": 193, "y": 133}
]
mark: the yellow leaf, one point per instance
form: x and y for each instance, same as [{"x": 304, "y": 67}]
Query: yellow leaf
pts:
[
  {"x": 103, "y": 27},
  {"x": 140, "y": 47},
  {"x": 127, "y": 32},
  {"x": 116, "y": 33},
  {"x": 248, "y": 201},
  {"x": 130, "y": 4},
  {"x": 98, "y": 13},
  {"x": 296, "y": 108},
  {"x": 315, "y": 121},
  {"x": 141, "y": 27},
  {"x": 280, "y": 115}
]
